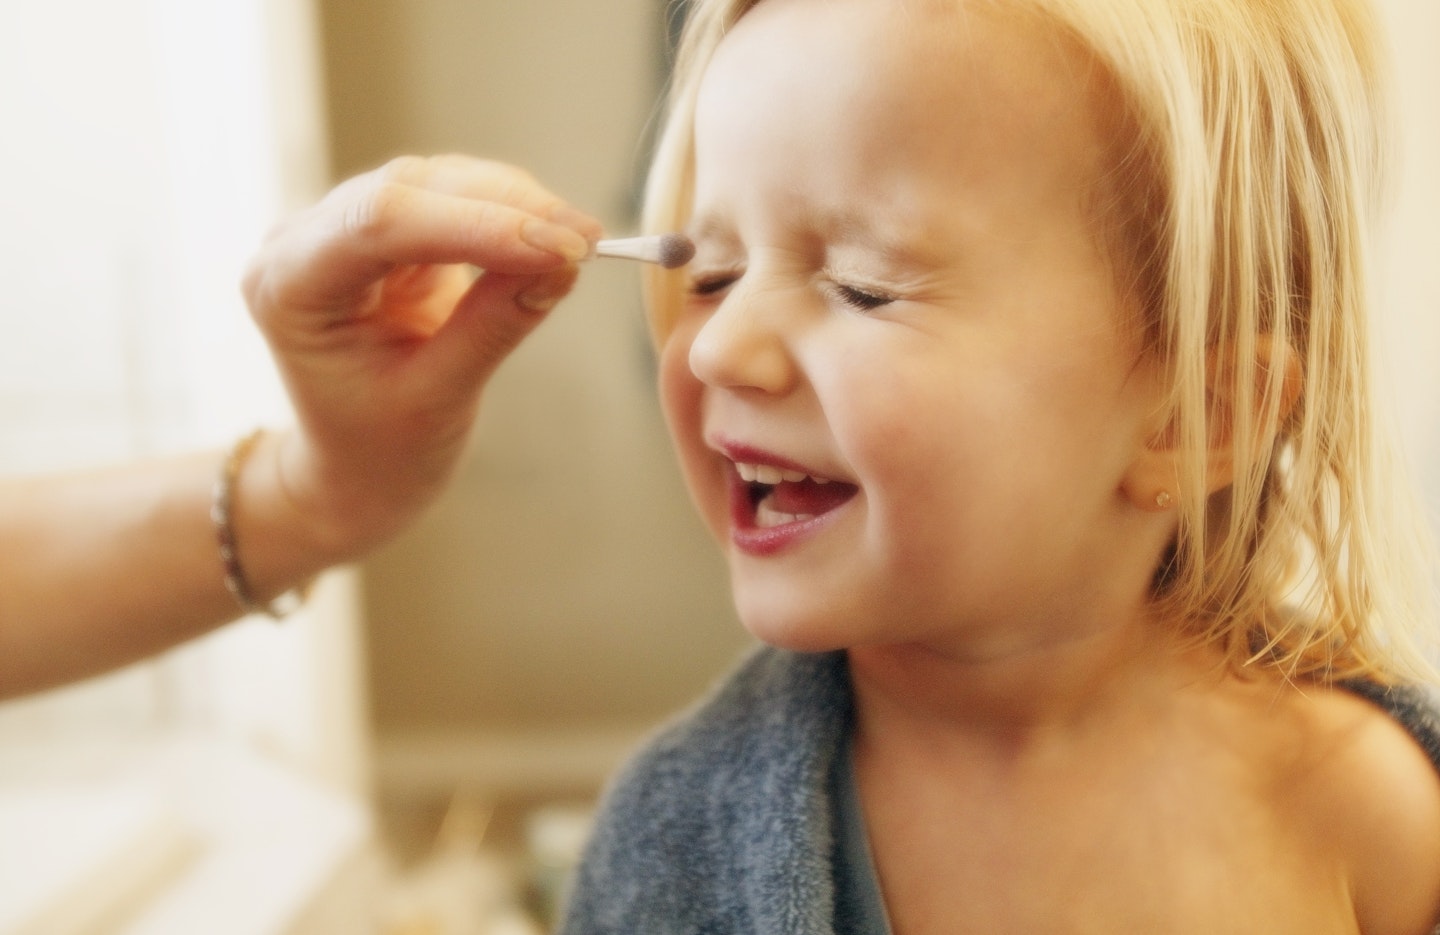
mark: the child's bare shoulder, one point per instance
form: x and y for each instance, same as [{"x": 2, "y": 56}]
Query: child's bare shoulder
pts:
[{"x": 1359, "y": 785}]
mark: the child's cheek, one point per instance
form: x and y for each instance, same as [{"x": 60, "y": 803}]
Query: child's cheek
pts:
[
  {"x": 679, "y": 393},
  {"x": 880, "y": 402},
  {"x": 681, "y": 396}
]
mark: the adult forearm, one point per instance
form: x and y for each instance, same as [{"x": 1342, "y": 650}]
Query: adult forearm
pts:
[{"x": 103, "y": 568}]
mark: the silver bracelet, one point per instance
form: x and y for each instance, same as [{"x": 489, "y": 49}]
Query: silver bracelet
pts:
[{"x": 222, "y": 516}]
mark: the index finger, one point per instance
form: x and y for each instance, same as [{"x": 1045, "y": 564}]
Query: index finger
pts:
[
  {"x": 336, "y": 250},
  {"x": 489, "y": 180},
  {"x": 404, "y": 224}
]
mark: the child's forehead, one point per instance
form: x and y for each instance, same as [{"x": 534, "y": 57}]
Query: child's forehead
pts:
[
  {"x": 896, "y": 235},
  {"x": 918, "y": 44},
  {"x": 902, "y": 20},
  {"x": 954, "y": 87}
]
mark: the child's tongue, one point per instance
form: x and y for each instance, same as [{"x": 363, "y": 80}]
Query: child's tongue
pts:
[{"x": 806, "y": 498}]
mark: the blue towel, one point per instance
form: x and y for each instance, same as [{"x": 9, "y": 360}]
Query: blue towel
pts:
[{"x": 723, "y": 825}]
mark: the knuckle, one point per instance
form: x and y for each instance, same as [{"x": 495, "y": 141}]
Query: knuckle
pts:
[
  {"x": 374, "y": 211},
  {"x": 502, "y": 171},
  {"x": 511, "y": 185},
  {"x": 492, "y": 224},
  {"x": 455, "y": 161},
  {"x": 523, "y": 177},
  {"x": 402, "y": 169}
]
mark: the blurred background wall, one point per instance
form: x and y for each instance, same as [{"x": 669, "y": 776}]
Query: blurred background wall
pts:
[{"x": 562, "y": 597}]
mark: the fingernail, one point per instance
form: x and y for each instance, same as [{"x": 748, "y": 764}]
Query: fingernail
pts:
[
  {"x": 537, "y": 302},
  {"x": 553, "y": 238}
]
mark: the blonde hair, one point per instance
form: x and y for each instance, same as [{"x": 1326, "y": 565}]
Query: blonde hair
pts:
[{"x": 1245, "y": 186}]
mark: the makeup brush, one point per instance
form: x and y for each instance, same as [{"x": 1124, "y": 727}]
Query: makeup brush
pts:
[{"x": 669, "y": 250}]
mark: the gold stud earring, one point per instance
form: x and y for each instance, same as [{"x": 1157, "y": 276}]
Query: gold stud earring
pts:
[{"x": 1163, "y": 499}]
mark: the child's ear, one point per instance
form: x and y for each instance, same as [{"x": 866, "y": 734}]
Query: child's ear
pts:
[{"x": 1152, "y": 483}]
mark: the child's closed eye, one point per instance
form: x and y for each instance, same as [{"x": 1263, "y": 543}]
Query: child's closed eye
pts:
[
  {"x": 705, "y": 285},
  {"x": 708, "y": 285},
  {"x": 863, "y": 299}
]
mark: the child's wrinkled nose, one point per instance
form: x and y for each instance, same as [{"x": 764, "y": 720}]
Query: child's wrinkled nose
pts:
[{"x": 743, "y": 346}]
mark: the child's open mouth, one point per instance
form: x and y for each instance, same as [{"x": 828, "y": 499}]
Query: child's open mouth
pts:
[{"x": 772, "y": 497}]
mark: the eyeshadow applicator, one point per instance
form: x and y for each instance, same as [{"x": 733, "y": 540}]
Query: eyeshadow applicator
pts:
[{"x": 668, "y": 250}]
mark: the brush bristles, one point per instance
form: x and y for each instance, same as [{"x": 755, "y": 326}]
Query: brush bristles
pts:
[
  {"x": 668, "y": 250},
  {"x": 676, "y": 250}
]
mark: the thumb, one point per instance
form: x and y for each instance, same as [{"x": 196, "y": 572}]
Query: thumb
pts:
[{"x": 491, "y": 319}]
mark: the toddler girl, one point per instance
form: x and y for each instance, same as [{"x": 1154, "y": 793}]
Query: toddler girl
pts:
[{"x": 1021, "y": 372}]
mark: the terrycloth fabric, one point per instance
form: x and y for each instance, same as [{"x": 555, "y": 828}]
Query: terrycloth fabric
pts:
[
  {"x": 719, "y": 827},
  {"x": 859, "y": 904},
  {"x": 724, "y": 824}
]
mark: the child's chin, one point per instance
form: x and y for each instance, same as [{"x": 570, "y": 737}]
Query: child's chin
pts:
[{"x": 793, "y": 635}]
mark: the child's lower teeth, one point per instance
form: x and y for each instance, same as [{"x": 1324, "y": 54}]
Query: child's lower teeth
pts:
[{"x": 767, "y": 518}]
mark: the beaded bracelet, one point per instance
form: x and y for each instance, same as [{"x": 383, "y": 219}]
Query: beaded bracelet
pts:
[{"x": 222, "y": 516}]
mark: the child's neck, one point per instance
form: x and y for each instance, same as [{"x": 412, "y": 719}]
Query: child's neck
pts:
[{"x": 1013, "y": 702}]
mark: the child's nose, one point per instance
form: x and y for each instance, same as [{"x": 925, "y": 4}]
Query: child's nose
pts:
[{"x": 743, "y": 346}]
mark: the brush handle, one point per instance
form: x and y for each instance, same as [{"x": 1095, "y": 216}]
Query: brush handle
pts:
[{"x": 644, "y": 249}]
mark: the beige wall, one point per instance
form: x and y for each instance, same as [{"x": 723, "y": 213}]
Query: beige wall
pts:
[
  {"x": 564, "y": 582},
  {"x": 1408, "y": 274}
]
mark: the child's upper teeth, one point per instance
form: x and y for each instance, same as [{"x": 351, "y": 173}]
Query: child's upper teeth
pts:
[
  {"x": 766, "y": 474},
  {"x": 771, "y": 475}
]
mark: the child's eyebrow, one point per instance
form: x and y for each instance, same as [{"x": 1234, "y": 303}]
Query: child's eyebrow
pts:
[
  {"x": 904, "y": 245},
  {"x": 854, "y": 226},
  {"x": 710, "y": 227}
]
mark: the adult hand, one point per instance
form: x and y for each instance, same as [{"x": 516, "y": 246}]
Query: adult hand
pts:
[{"x": 385, "y": 337}]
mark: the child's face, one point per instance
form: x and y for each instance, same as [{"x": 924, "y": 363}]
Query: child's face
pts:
[{"x": 900, "y": 289}]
